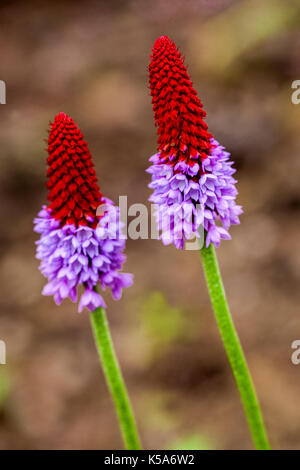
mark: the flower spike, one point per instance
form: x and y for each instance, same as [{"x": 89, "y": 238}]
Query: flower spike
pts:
[
  {"x": 77, "y": 246},
  {"x": 191, "y": 172},
  {"x": 193, "y": 187}
]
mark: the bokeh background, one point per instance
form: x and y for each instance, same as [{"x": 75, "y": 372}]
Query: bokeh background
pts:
[{"x": 89, "y": 59}]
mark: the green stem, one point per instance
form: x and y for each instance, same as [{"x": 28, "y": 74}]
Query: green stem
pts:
[
  {"x": 233, "y": 348},
  {"x": 114, "y": 379}
]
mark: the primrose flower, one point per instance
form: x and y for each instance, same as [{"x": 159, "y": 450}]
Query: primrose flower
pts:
[
  {"x": 192, "y": 178},
  {"x": 77, "y": 245}
]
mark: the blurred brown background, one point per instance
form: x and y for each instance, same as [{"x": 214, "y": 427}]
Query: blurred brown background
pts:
[{"x": 89, "y": 59}]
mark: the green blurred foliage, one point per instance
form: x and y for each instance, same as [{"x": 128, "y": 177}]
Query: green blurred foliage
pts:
[
  {"x": 192, "y": 442},
  {"x": 5, "y": 386},
  {"x": 163, "y": 324},
  {"x": 221, "y": 42},
  {"x": 157, "y": 410}
]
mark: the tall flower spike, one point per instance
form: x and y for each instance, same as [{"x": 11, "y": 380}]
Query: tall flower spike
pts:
[
  {"x": 76, "y": 245},
  {"x": 192, "y": 178}
]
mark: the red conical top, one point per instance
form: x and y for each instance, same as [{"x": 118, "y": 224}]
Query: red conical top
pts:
[
  {"x": 178, "y": 111},
  {"x": 74, "y": 194}
]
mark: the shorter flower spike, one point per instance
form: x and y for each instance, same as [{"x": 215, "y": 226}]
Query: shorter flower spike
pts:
[
  {"x": 76, "y": 246},
  {"x": 192, "y": 178}
]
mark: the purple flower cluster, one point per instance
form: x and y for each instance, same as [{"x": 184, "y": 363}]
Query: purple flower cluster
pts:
[
  {"x": 72, "y": 256},
  {"x": 185, "y": 201}
]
